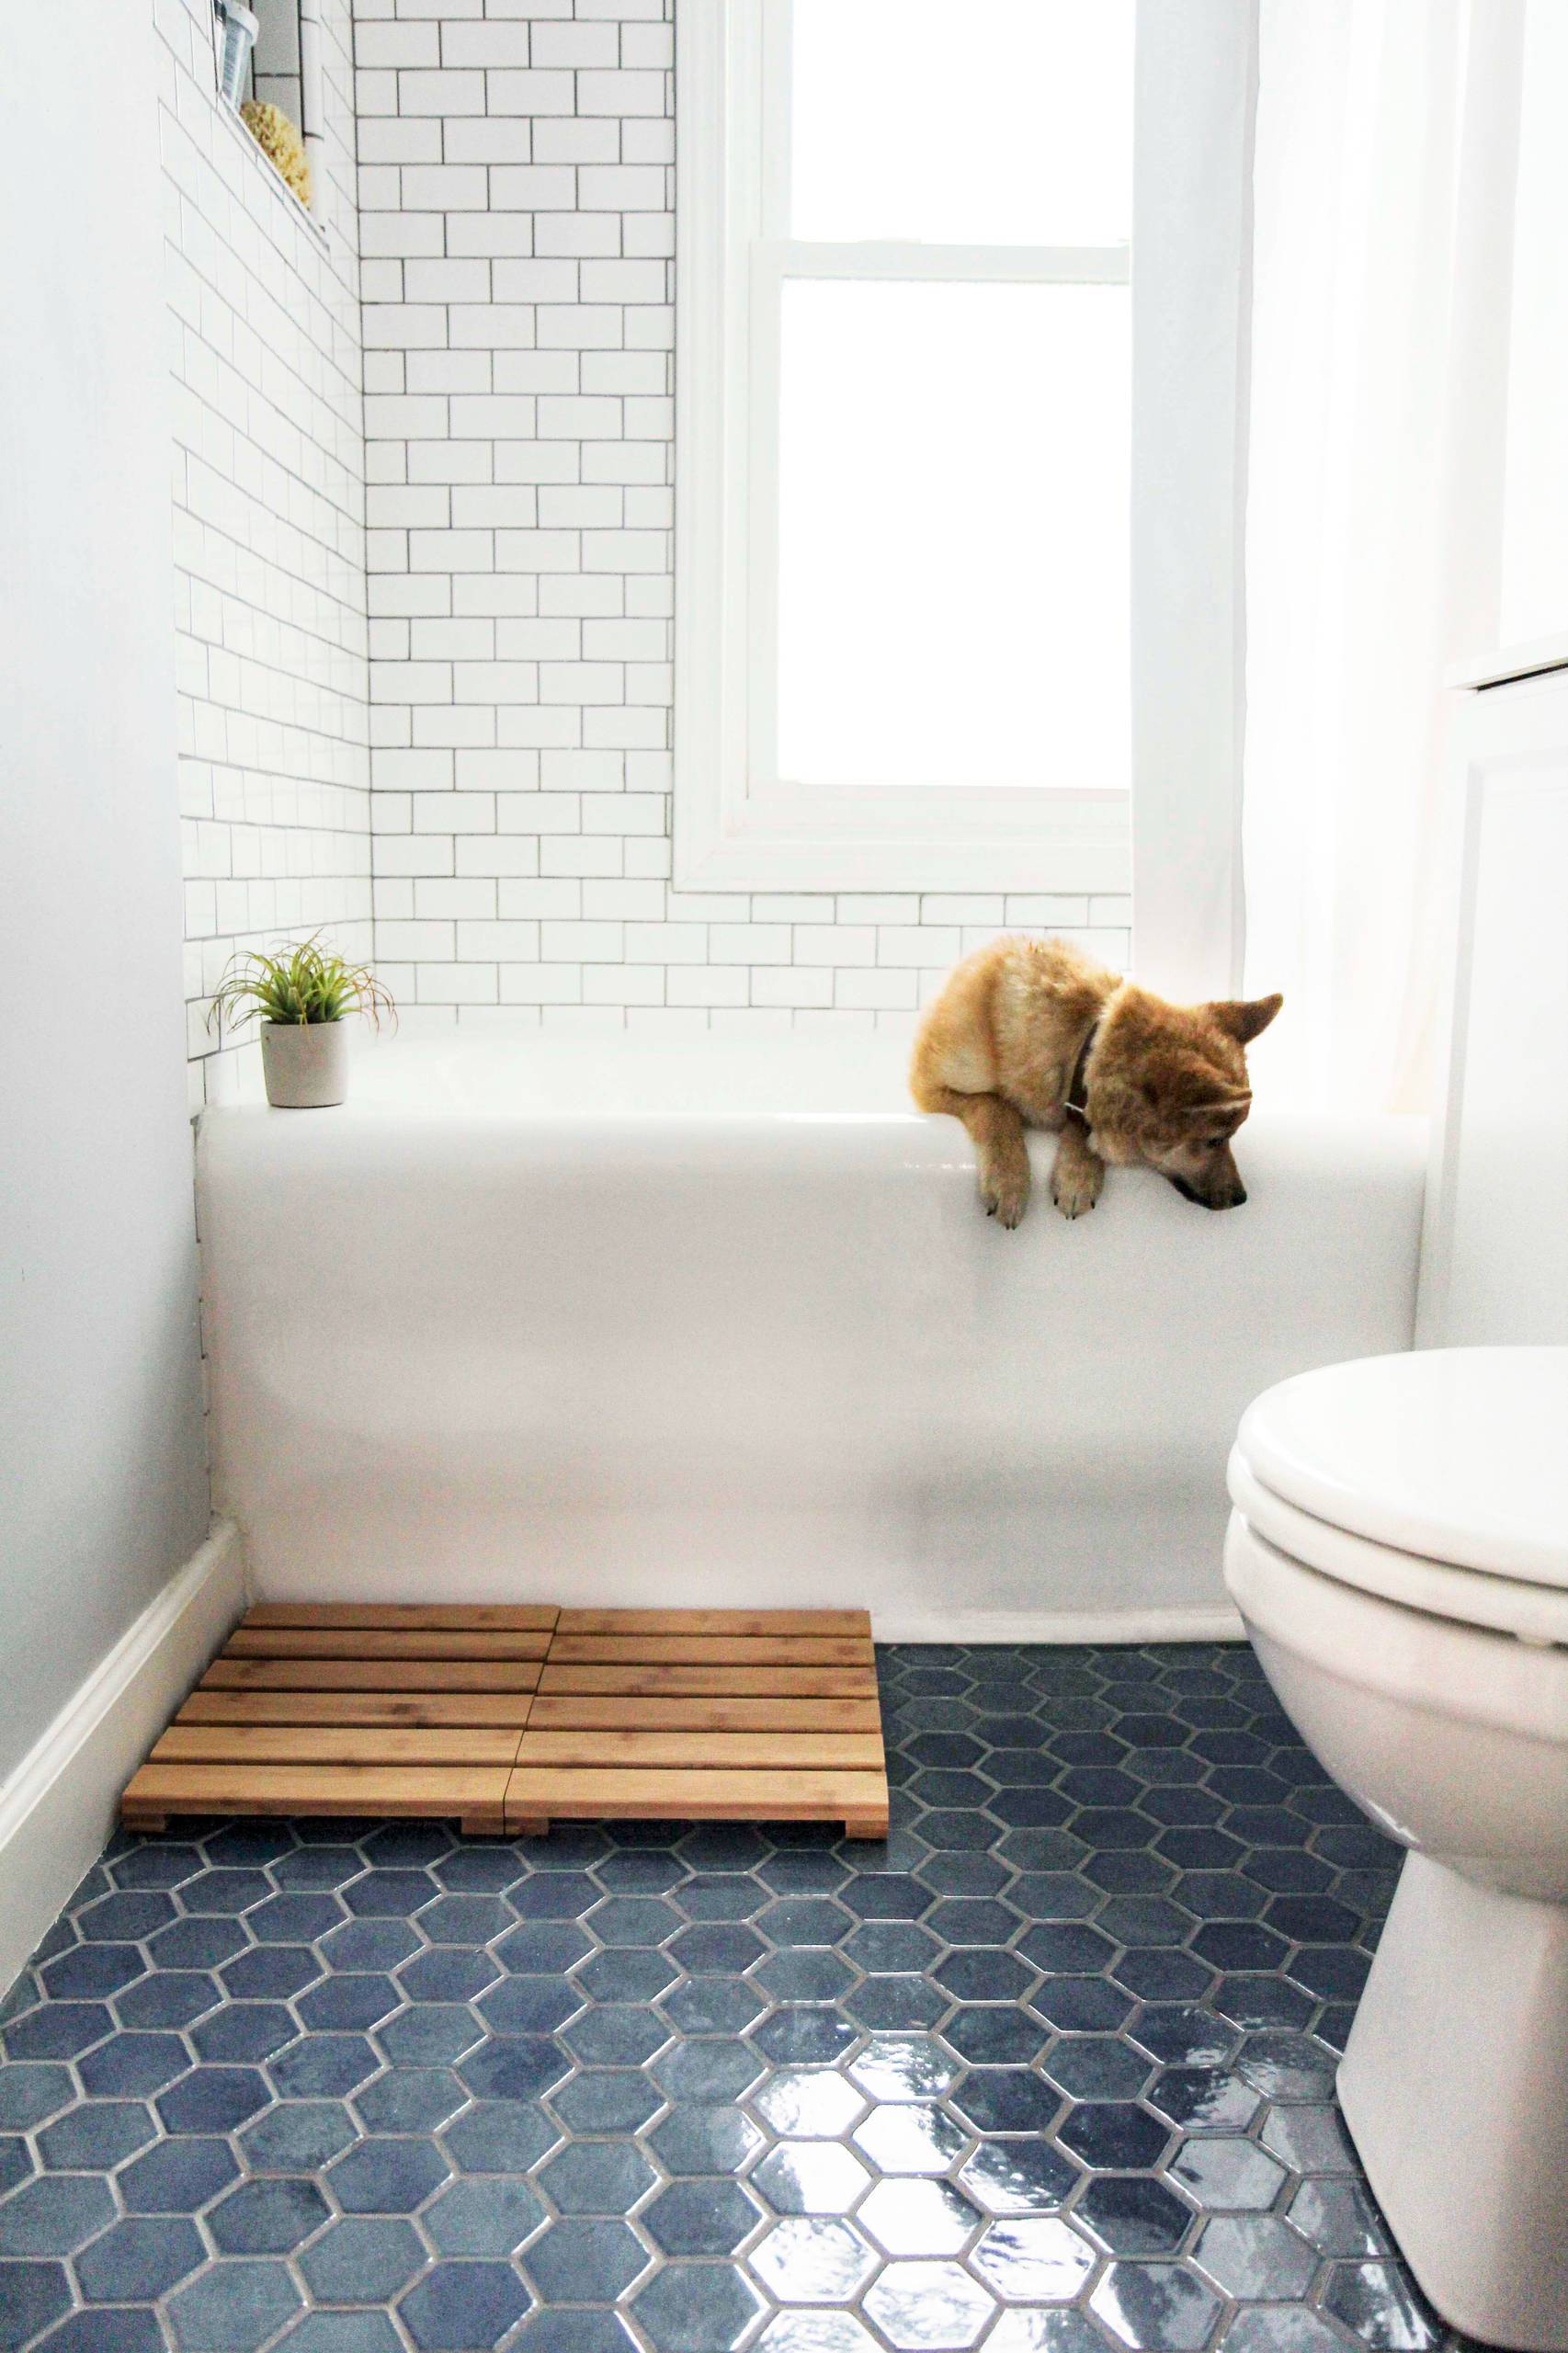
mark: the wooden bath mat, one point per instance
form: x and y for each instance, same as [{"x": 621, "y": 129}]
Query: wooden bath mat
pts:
[{"x": 510, "y": 1717}]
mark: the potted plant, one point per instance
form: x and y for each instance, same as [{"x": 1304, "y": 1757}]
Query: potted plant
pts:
[{"x": 300, "y": 996}]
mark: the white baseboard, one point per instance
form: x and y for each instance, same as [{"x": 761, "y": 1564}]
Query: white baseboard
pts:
[
  {"x": 57, "y": 1810},
  {"x": 1205, "y": 1622}
]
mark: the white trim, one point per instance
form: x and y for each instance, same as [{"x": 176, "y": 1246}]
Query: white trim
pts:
[
  {"x": 1485, "y": 204},
  {"x": 735, "y": 827},
  {"x": 313, "y": 108},
  {"x": 1196, "y": 101},
  {"x": 57, "y": 1809},
  {"x": 1214, "y": 1622},
  {"x": 1500, "y": 734},
  {"x": 949, "y": 264},
  {"x": 1512, "y": 662}
]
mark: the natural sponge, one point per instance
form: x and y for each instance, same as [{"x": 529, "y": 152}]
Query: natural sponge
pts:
[{"x": 280, "y": 142}]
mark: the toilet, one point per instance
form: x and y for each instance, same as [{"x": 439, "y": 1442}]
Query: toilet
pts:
[{"x": 1398, "y": 1549}]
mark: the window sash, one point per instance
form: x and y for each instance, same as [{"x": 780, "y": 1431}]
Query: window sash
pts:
[{"x": 737, "y": 827}]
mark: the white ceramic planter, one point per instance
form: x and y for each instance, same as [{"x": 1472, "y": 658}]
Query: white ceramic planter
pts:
[{"x": 305, "y": 1064}]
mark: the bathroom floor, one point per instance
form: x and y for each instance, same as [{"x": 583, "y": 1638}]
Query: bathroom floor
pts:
[{"x": 1052, "y": 2072}]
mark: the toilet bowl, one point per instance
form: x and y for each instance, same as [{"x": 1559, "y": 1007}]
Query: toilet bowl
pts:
[{"x": 1399, "y": 1551}]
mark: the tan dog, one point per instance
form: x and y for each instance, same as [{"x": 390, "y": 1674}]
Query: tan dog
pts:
[{"x": 1028, "y": 1033}]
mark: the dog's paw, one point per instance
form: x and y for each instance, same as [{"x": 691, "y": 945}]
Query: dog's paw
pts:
[
  {"x": 1075, "y": 1190},
  {"x": 1006, "y": 1196}
]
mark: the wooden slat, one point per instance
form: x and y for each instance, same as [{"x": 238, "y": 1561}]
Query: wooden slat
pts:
[
  {"x": 855, "y": 1623},
  {"x": 738, "y": 1682},
  {"x": 332, "y": 1744},
  {"x": 364, "y": 1642},
  {"x": 409, "y": 1709},
  {"x": 475, "y": 1791},
  {"x": 371, "y": 1674},
  {"x": 576, "y": 1713},
  {"x": 730, "y": 1750},
  {"x": 496, "y": 1616},
  {"x": 546, "y": 1791},
  {"x": 709, "y": 1650}
]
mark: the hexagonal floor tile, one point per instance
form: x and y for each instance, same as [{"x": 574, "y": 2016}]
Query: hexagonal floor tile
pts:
[
  {"x": 387, "y": 2176},
  {"x": 921, "y": 2305},
  {"x": 362, "y": 2259},
  {"x": 700, "y": 2217},
  {"x": 812, "y": 2260},
  {"x": 585, "y": 2260},
  {"x": 811, "y": 2103},
  {"x": 697, "y": 2307},
  {"x": 482, "y": 2216},
  {"x": 458, "y": 2306},
  {"x": 55, "y": 2214},
  {"x": 597, "y": 2177},
  {"x": 811, "y": 2177},
  {"x": 918, "y": 2217},
  {"x": 1038, "y": 2259},
  {"x": 910, "y": 2138}
]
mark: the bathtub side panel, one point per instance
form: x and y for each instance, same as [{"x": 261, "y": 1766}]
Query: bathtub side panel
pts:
[{"x": 762, "y": 1362}]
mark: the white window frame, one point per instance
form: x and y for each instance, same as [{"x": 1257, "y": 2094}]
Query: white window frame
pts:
[{"x": 737, "y": 825}]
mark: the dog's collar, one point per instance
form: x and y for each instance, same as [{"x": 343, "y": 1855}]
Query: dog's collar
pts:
[{"x": 1078, "y": 1090}]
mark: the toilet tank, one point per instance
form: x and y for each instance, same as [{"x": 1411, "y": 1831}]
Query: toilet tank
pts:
[{"x": 1494, "y": 1247}]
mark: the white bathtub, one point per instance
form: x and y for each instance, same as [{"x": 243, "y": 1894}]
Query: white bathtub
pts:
[{"x": 619, "y": 1323}]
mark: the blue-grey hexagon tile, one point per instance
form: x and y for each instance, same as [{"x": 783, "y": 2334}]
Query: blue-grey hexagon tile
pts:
[
  {"x": 700, "y": 2217},
  {"x": 697, "y": 2307},
  {"x": 460, "y": 2307},
  {"x": 387, "y": 2175},
  {"x": 233, "y": 2307},
  {"x": 108, "y": 2328},
  {"x": 811, "y": 2259},
  {"x": 918, "y": 2217},
  {"x": 921, "y": 2305},
  {"x": 32, "y": 2295},
  {"x": 484, "y": 2214},
  {"x": 493, "y": 2136},
  {"x": 297, "y": 2136},
  {"x": 55, "y": 2214},
  {"x": 811, "y": 2177},
  {"x": 362, "y": 2259},
  {"x": 597, "y": 2177},
  {"x": 267, "y": 2217},
  {"x": 584, "y": 2259}
]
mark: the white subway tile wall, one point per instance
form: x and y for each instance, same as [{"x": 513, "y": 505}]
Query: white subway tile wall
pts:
[
  {"x": 518, "y": 235},
  {"x": 269, "y": 530}
]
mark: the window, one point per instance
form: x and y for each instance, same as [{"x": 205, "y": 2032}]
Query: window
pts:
[
  {"x": 269, "y": 51},
  {"x": 904, "y": 442}
]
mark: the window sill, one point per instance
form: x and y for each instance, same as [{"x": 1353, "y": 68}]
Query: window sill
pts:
[
  {"x": 302, "y": 213},
  {"x": 897, "y": 839}
]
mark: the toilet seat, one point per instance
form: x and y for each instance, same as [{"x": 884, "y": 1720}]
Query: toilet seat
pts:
[{"x": 1438, "y": 1480}]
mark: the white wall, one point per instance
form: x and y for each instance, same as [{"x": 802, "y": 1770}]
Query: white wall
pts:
[
  {"x": 268, "y": 591},
  {"x": 517, "y": 227},
  {"x": 101, "y": 1466}
]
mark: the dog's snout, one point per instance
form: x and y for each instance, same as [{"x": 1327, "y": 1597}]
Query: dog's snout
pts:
[{"x": 1229, "y": 1196}]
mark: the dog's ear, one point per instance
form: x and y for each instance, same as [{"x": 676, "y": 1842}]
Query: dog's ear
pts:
[{"x": 1244, "y": 1018}]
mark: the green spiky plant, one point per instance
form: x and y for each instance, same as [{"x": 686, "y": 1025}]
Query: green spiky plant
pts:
[{"x": 297, "y": 983}]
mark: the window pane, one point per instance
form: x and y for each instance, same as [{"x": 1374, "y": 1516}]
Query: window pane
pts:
[
  {"x": 1535, "y": 503},
  {"x": 953, "y": 534},
  {"x": 963, "y": 122}
]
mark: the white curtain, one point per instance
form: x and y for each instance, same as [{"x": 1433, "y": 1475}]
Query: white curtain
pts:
[{"x": 1351, "y": 535}]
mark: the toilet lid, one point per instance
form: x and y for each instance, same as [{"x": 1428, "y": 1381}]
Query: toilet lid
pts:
[{"x": 1457, "y": 1454}]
